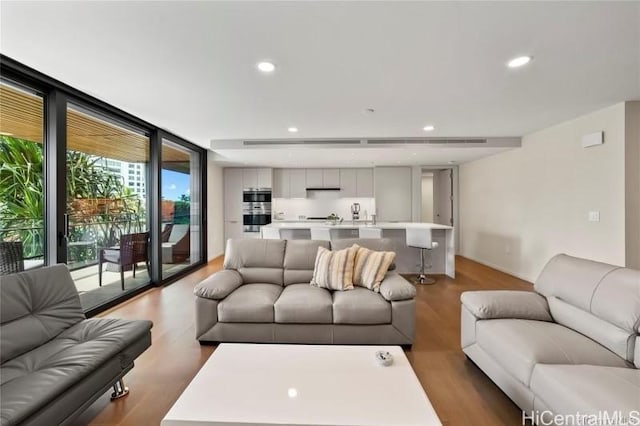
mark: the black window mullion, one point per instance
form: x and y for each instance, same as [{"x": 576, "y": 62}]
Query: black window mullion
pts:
[{"x": 55, "y": 149}]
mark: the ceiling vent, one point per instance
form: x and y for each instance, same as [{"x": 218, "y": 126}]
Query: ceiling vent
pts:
[
  {"x": 429, "y": 141},
  {"x": 310, "y": 142}
]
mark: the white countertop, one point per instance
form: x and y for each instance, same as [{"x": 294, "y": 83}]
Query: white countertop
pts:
[{"x": 349, "y": 225}]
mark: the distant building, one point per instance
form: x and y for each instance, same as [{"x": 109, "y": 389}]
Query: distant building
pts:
[{"x": 133, "y": 174}]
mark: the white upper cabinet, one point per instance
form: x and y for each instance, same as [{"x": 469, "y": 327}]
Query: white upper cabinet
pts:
[
  {"x": 364, "y": 182},
  {"x": 281, "y": 187},
  {"x": 393, "y": 194},
  {"x": 249, "y": 178},
  {"x": 348, "y": 184},
  {"x": 292, "y": 183},
  {"x": 298, "y": 183},
  {"x": 330, "y": 178},
  {"x": 314, "y": 178},
  {"x": 233, "y": 185},
  {"x": 264, "y": 178}
]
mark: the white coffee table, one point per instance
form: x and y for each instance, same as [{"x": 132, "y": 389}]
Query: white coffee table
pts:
[{"x": 245, "y": 384}]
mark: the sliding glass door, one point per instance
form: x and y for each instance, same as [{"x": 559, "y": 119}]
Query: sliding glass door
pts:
[
  {"x": 115, "y": 198},
  {"x": 107, "y": 238},
  {"x": 181, "y": 204},
  {"x": 22, "y": 225}
]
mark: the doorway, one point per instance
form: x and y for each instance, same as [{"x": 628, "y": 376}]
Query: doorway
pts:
[{"x": 437, "y": 197}]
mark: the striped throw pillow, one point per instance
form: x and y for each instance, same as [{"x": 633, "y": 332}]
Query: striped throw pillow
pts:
[
  {"x": 334, "y": 269},
  {"x": 371, "y": 267}
]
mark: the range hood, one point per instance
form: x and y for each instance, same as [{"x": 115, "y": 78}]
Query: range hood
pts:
[{"x": 332, "y": 188}]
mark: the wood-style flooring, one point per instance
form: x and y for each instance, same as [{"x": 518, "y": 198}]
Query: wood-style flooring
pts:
[{"x": 460, "y": 393}]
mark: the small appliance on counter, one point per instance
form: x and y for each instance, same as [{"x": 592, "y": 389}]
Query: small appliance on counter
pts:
[
  {"x": 355, "y": 211},
  {"x": 256, "y": 208}
]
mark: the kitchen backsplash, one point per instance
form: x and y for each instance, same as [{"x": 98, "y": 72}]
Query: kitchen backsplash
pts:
[{"x": 320, "y": 206}]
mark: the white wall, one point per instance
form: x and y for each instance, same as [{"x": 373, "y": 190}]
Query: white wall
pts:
[
  {"x": 521, "y": 207},
  {"x": 215, "y": 214},
  {"x": 427, "y": 198}
]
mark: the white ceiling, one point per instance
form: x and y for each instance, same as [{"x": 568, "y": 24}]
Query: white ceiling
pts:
[{"x": 190, "y": 66}]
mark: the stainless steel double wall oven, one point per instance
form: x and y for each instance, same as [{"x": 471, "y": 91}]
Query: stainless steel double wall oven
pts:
[{"x": 256, "y": 208}]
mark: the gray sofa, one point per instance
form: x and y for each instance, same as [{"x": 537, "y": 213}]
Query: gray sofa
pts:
[
  {"x": 55, "y": 362},
  {"x": 570, "y": 347},
  {"x": 263, "y": 295}
]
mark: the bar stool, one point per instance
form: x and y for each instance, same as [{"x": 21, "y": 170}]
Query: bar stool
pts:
[
  {"x": 366, "y": 232},
  {"x": 421, "y": 237}
]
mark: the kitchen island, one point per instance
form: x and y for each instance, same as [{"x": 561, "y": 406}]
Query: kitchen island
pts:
[{"x": 407, "y": 258}]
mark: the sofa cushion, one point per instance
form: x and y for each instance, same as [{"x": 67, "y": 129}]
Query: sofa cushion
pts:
[
  {"x": 598, "y": 300},
  {"x": 36, "y": 306},
  {"x": 249, "y": 303},
  {"x": 518, "y": 345},
  {"x": 334, "y": 269},
  {"x": 587, "y": 389},
  {"x": 300, "y": 259},
  {"x": 377, "y": 244},
  {"x": 304, "y": 304},
  {"x": 370, "y": 267},
  {"x": 360, "y": 306},
  {"x": 32, "y": 380},
  {"x": 258, "y": 261}
]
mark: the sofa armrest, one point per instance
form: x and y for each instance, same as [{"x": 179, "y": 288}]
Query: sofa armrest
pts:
[
  {"x": 495, "y": 304},
  {"x": 219, "y": 285},
  {"x": 395, "y": 288}
]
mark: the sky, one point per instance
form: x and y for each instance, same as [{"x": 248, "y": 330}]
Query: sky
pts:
[{"x": 174, "y": 184}]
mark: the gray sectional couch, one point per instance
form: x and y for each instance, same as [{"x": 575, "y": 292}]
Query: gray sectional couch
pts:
[
  {"x": 55, "y": 362},
  {"x": 570, "y": 347},
  {"x": 263, "y": 295}
]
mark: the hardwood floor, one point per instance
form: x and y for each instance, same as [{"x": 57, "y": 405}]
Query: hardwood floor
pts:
[{"x": 460, "y": 393}]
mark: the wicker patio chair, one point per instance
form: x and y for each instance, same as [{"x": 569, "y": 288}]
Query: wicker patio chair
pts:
[
  {"x": 132, "y": 250},
  {"x": 11, "y": 257}
]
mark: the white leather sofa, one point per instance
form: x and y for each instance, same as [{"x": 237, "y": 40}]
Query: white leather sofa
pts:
[{"x": 571, "y": 348}]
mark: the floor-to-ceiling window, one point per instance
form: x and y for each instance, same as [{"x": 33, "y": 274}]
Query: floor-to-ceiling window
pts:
[
  {"x": 181, "y": 204},
  {"x": 22, "y": 193},
  {"x": 106, "y": 221},
  {"x": 80, "y": 184}
]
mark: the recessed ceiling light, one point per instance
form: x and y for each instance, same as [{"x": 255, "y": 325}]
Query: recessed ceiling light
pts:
[
  {"x": 292, "y": 129},
  {"x": 414, "y": 153},
  {"x": 519, "y": 61},
  {"x": 266, "y": 66},
  {"x": 452, "y": 162},
  {"x": 428, "y": 128}
]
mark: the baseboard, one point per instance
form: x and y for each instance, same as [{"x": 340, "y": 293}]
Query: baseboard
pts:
[{"x": 500, "y": 268}]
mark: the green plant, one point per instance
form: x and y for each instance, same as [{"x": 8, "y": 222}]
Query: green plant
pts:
[
  {"x": 21, "y": 194},
  {"x": 116, "y": 208}
]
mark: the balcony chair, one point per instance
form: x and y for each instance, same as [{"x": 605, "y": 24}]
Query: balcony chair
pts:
[
  {"x": 134, "y": 248},
  {"x": 176, "y": 248},
  {"x": 11, "y": 257}
]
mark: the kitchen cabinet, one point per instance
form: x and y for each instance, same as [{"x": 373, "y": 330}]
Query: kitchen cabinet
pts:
[
  {"x": 233, "y": 184},
  {"x": 364, "y": 183},
  {"x": 249, "y": 178},
  {"x": 281, "y": 186},
  {"x": 298, "y": 183},
  {"x": 348, "y": 183},
  {"x": 392, "y": 190},
  {"x": 264, "y": 177},
  {"x": 331, "y": 178},
  {"x": 314, "y": 178}
]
